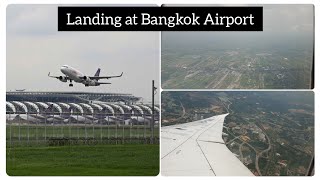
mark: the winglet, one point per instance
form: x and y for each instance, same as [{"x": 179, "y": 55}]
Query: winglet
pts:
[
  {"x": 49, "y": 74},
  {"x": 121, "y": 74}
]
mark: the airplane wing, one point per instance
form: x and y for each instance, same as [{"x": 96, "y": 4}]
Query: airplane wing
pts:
[
  {"x": 104, "y": 77},
  {"x": 197, "y": 149},
  {"x": 103, "y": 83},
  {"x": 58, "y": 77}
]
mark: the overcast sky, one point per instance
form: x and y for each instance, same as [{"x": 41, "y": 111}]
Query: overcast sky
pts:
[
  {"x": 35, "y": 47},
  {"x": 281, "y": 24}
]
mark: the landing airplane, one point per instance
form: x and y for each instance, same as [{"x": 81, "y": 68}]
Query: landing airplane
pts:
[
  {"x": 20, "y": 90},
  {"x": 72, "y": 74}
]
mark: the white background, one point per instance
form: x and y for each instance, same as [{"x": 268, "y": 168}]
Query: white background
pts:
[{"x": 4, "y": 3}]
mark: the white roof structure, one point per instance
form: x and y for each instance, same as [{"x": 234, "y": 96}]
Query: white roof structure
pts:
[
  {"x": 65, "y": 105},
  {"x": 76, "y": 106},
  {"x": 157, "y": 109},
  {"x": 146, "y": 108},
  {"x": 96, "y": 106},
  {"x": 56, "y": 106},
  {"x": 108, "y": 107},
  {"x": 87, "y": 106},
  {"x": 197, "y": 149},
  {"x": 11, "y": 106},
  {"x": 21, "y": 105},
  {"x": 128, "y": 108},
  {"x": 137, "y": 108},
  {"x": 117, "y": 107},
  {"x": 33, "y": 105},
  {"x": 42, "y": 104}
]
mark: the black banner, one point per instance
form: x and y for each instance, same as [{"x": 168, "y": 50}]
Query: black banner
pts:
[{"x": 160, "y": 18}]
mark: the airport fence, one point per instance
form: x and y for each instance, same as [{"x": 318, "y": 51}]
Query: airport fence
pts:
[{"x": 82, "y": 129}]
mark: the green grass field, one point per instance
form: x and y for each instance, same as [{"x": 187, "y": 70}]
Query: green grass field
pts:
[{"x": 98, "y": 160}]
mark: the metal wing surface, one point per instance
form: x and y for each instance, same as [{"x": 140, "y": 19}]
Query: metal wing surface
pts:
[
  {"x": 197, "y": 149},
  {"x": 105, "y": 77}
]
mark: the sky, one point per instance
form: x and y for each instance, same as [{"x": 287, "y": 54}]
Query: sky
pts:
[
  {"x": 35, "y": 48},
  {"x": 291, "y": 24}
]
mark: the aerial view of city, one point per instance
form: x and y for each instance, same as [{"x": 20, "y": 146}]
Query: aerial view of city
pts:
[
  {"x": 279, "y": 57},
  {"x": 271, "y": 133}
]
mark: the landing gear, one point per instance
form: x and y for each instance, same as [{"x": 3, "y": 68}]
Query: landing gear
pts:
[
  {"x": 86, "y": 85},
  {"x": 70, "y": 85}
]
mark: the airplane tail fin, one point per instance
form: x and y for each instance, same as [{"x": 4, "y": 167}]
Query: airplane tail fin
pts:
[{"x": 97, "y": 73}]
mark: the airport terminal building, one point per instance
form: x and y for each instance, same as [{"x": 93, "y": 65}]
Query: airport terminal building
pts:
[{"x": 85, "y": 107}]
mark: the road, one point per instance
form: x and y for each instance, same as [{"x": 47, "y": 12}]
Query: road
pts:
[
  {"x": 264, "y": 151},
  {"x": 240, "y": 150},
  {"x": 183, "y": 112}
]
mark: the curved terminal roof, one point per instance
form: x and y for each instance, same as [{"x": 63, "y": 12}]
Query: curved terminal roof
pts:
[
  {"x": 126, "y": 107},
  {"x": 33, "y": 105},
  {"x": 96, "y": 106},
  {"x": 76, "y": 97},
  {"x": 21, "y": 105},
  {"x": 108, "y": 107},
  {"x": 11, "y": 106},
  {"x": 65, "y": 105},
  {"x": 76, "y": 106},
  {"x": 80, "y": 108},
  {"x": 56, "y": 106},
  {"x": 137, "y": 108},
  {"x": 87, "y": 106},
  {"x": 156, "y": 108},
  {"x": 146, "y": 108},
  {"x": 119, "y": 108},
  {"x": 42, "y": 104}
]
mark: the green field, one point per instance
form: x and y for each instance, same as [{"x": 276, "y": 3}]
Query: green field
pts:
[{"x": 98, "y": 160}]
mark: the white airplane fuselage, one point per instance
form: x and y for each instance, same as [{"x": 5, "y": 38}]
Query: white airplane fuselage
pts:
[{"x": 72, "y": 73}]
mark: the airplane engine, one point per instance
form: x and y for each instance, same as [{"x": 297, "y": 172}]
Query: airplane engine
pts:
[
  {"x": 63, "y": 79},
  {"x": 86, "y": 78}
]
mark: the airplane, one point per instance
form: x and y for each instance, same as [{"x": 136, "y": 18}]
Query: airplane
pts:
[
  {"x": 72, "y": 74},
  {"x": 20, "y": 90}
]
